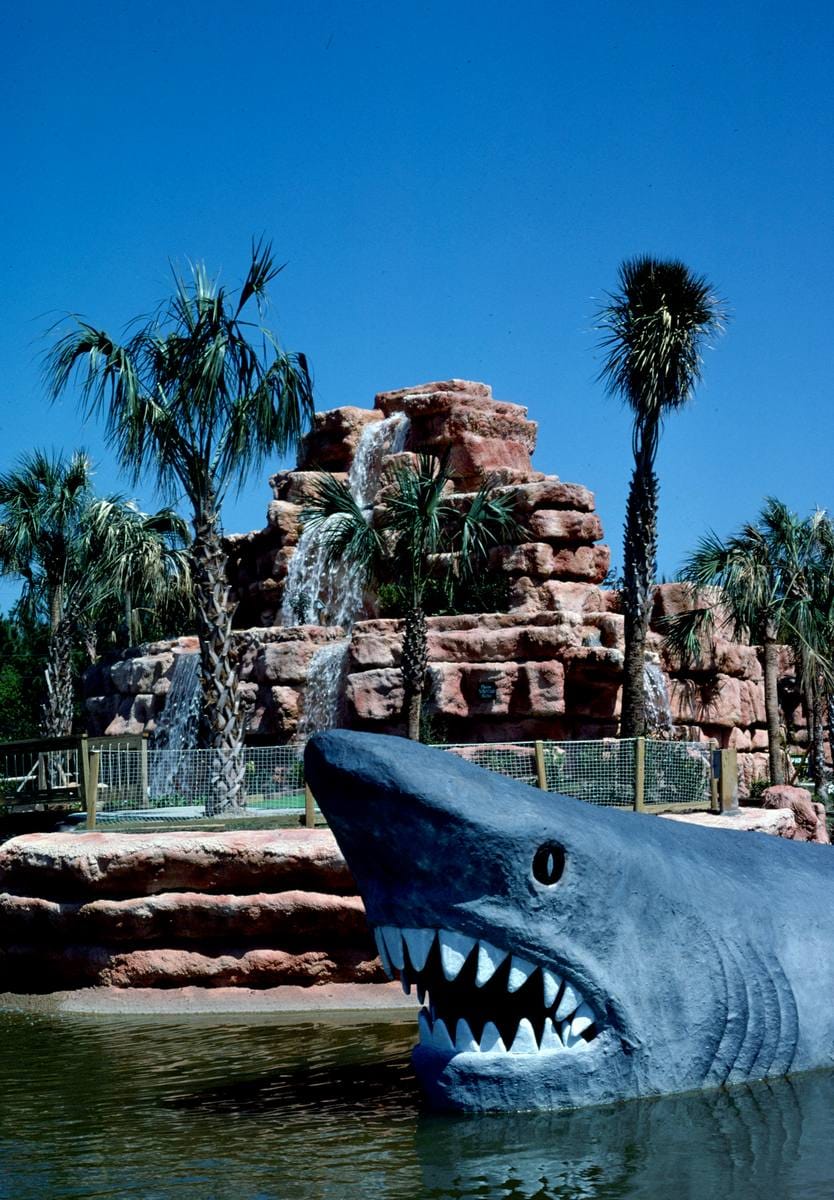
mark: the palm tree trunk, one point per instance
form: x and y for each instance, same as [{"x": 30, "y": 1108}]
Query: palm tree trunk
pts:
[
  {"x": 58, "y": 706},
  {"x": 816, "y": 736},
  {"x": 640, "y": 550},
  {"x": 222, "y": 726},
  {"x": 771, "y": 687},
  {"x": 415, "y": 659}
]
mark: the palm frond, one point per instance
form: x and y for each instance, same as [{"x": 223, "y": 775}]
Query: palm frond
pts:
[
  {"x": 653, "y": 330},
  {"x": 190, "y": 396}
]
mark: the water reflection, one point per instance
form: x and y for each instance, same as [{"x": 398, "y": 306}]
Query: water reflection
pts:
[
  {"x": 256, "y": 1108},
  {"x": 763, "y": 1141}
]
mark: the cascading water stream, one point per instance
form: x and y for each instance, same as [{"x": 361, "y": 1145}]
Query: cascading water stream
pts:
[
  {"x": 656, "y": 694},
  {"x": 176, "y": 729},
  {"x": 322, "y": 593}
]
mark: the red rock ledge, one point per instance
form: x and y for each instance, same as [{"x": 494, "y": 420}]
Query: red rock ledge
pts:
[{"x": 257, "y": 910}]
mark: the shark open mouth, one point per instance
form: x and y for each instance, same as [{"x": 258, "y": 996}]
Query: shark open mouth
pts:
[{"x": 477, "y": 998}]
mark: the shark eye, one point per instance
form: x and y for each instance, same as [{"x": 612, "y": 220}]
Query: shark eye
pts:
[{"x": 549, "y": 863}]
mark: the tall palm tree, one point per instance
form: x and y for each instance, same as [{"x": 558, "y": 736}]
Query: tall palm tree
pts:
[
  {"x": 419, "y": 533},
  {"x": 765, "y": 583},
  {"x": 193, "y": 398},
  {"x": 654, "y": 327},
  {"x": 71, "y": 552}
]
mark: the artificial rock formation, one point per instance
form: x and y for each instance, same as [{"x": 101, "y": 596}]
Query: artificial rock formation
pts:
[
  {"x": 551, "y": 666},
  {"x": 258, "y": 909}
]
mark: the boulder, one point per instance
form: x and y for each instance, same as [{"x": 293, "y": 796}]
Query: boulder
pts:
[
  {"x": 66, "y": 866},
  {"x": 540, "y": 691},
  {"x": 135, "y": 675},
  {"x": 286, "y": 918},
  {"x": 332, "y": 441},
  {"x": 564, "y": 525},
  {"x": 550, "y": 493},
  {"x": 543, "y": 561},
  {"x": 375, "y": 695},
  {"x": 45, "y": 968},
  {"x": 809, "y": 815},
  {"x": 299, "y": 487}
]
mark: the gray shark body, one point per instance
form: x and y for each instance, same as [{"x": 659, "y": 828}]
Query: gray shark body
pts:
[{"x": 568, "y": 955}]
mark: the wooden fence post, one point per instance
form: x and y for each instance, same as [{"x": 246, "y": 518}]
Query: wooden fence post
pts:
[
  {"x": 91, "y": 785},
  {"x": 309, "y": 808},
  {"x": 541, "y": 772},
  {"x": 714, "y": 772},
  {"x": 639, "y": 774},
  {"x": 143, "y": 772},
  {"x": 728, "y": 782}
]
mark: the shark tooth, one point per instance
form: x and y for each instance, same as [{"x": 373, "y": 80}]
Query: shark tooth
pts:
[
  {"x": 551, "y": 984},
  {"x": 550, "y": 1037},
  {"x": 464, "y": 1038},
  {"x": 421, "y": 991},
  {"x": 583, "y": 1019},
  {"x": 440, "y": 1036},
  {"x": 394, "y": 945},
  {"x": 570, "y": 1000},
  {"x": 570, "y": 1041},
  {"x": 454, "y": 951},
  {"x": 405, "y": 981},
  {"x": 419, "y": 943},
  {"x": 520, "y": 972},
  {"x": 383, "y": 953},
  {"x": 489, "y": 960},
  {"x": 524, "y": 1041},
  {"x": 491, "y": 1040},
  {"x": 424, "y": 1026}
]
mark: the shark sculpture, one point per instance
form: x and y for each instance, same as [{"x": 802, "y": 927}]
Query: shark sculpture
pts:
[{"x": 567, "y": 955}]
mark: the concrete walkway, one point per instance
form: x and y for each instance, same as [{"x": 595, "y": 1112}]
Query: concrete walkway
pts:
[{"x": 334, "y": 997}]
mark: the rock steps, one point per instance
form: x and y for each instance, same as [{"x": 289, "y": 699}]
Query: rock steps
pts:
[{"x": 257, "y": 909}]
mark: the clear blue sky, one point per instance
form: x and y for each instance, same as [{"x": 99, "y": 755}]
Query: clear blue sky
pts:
[{"x": 453, "y": 186}]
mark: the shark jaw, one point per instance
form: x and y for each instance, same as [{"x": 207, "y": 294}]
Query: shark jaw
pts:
[{"x": 480, "y": 999}]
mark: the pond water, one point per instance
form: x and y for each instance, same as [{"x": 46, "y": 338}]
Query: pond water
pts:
[{"x": 221, "y": 1108}]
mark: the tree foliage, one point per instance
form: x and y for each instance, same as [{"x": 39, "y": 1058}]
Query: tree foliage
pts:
[
  {"x": 420, "y": 537},
  {"x": 772, "y": 583},
  {"x": 78, "y": 557},
  {"x": 197, "y": 396}
]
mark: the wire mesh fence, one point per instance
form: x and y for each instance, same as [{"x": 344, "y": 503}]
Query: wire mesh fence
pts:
[
  {"x": 169, "y": 785},
  {"x": 604, "y": 771},
  {"x": 136, "y": 782}
]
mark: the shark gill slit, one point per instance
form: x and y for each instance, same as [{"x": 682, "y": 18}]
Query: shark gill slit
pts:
[
  {"x": 788, "y": 1039},
  {"x": 735, "y": 1005},
  {"x": 771, "y": 1003}
]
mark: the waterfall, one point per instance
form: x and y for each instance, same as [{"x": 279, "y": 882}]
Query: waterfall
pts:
[
  {"x": 176, "y": 729},
  {"x": 320, "y": 593},
  {"x": 656, "y": 694},
  {"x": 324, "y": 689}
]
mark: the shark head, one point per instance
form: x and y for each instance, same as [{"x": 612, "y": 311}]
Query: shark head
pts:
[{"x": 566, "y": 954}]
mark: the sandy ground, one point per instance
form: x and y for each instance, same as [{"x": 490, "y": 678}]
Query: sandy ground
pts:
[{"x": 336, "y": 997}]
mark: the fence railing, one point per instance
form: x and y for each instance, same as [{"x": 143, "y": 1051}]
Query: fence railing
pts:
[{"x": 123, "y": 779}]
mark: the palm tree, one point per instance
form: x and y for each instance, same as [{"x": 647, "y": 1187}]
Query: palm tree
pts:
[
  {"x": 69, "y": 549},
  {"x": 655, "y": 326},
  {"x": 192, "y": 398},
  {"x": 42, "y": 506},
  {"x": 769, "y": 583},
  {"x": 419, "y": 533},
  {"x": 139, "y": 566}
]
